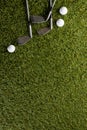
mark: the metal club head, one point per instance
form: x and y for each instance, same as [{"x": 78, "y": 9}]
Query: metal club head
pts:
[
  {"x": 22, "y": 40},
  {"x": 43, "y": 31},
  {"x": 37, "y": 19}
]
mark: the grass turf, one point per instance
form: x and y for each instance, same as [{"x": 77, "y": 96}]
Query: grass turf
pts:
[{"x": 43, "y": 85}]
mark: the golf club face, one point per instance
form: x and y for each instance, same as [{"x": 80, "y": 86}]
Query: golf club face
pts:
[
  {"x": 37, "y": 19},
  {"x": 44, "y": 31},
  {"x": 22, "y": 40}
]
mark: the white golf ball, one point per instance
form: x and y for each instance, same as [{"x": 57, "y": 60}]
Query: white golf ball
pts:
[
  {"x": 63, "y": 10},
  {"x": 11, "y": 48},
  {"x": 60, "y": 22}
]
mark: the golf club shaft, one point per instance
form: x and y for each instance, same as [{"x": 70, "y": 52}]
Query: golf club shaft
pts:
[
  {"x": 29, "y": 21},
  {"x": 51, "y": 19},
  {"x": 51, "y": 10}
]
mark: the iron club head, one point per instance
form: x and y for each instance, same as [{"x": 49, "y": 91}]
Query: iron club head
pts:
[
  {"x": 43, "y": 31},
  {"x": 22, "y": 40},
  {"x": 37, "y": 19}
]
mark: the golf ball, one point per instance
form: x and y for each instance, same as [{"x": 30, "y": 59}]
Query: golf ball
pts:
[
  {"x": 60, "y": 22},
  {"x": 63, "y": 10},
  {"x": 11, "y": 48}
]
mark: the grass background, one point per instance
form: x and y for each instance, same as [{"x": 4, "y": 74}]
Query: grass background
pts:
[{"x": 43, "y": 85}]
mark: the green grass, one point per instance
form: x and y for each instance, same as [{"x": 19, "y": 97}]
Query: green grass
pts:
[{"x": 43, "y": 85}]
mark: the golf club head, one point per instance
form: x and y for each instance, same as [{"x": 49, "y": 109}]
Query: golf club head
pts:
[
  {"x": 22, "y": 40},
  {"x": 37, "y": 19},
  {"x": 44, "y": 31}
]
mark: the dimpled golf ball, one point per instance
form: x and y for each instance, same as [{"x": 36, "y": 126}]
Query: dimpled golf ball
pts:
[
  {"x": 63, "y": 10},
  {"x": 60, "y": 22},
  {"x": 11, "y": 48}
]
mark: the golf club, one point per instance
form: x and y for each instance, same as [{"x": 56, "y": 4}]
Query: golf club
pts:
[
  {"x": 45, "y": 30},
  {"x": 24, "y": 39},
  {"x": 41, "y": 19}
]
